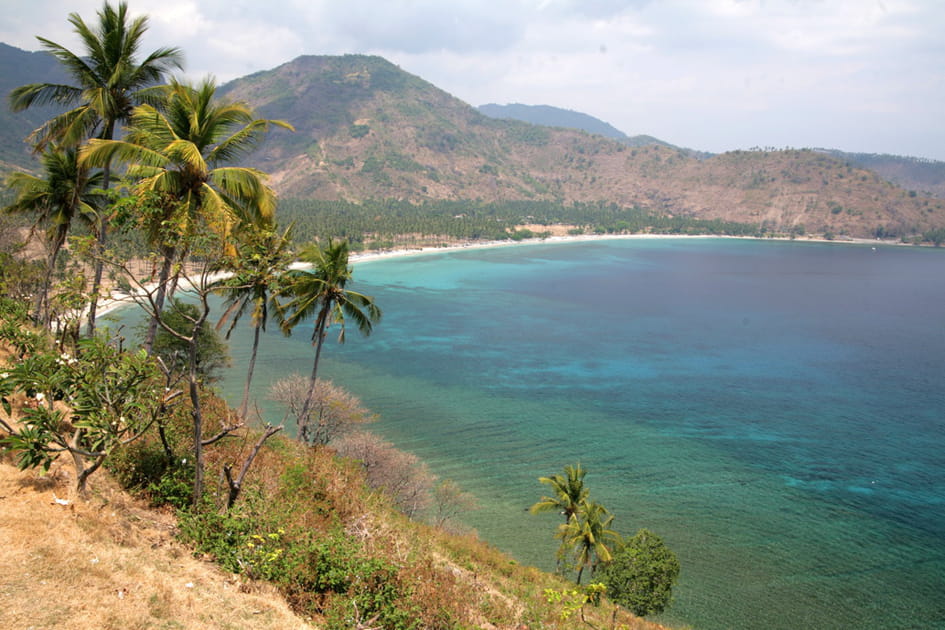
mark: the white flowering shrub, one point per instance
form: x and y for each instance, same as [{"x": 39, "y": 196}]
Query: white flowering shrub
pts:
[{"x": 84, "y": 405}]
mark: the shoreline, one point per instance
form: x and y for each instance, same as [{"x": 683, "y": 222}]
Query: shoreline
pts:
[
  {"x": 434, "y": 249},
  {"x": 118, "y": 299}
]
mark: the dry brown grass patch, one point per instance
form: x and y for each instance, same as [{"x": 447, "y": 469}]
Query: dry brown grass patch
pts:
[{"x": 110, "y": 563}]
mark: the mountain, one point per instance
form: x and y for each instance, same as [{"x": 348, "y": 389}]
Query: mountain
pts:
[
  {"x": 549, "y": 116},
  {"x": 554, "y": 117},
  {"x": 21, "y": 68},
  {"x": 916, "y": 174},
  {"x": 365, "y": 129}
]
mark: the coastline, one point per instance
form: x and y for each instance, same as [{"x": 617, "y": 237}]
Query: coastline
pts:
[
  {"x": 118, "y": 299},
  {"x": 433, "y": 249}
]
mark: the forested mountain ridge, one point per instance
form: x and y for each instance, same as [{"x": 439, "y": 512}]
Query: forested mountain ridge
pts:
[{"x": 367, "y": 130}]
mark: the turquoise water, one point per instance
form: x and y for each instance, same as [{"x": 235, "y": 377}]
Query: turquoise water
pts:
[{"x": 774, "y": 410}]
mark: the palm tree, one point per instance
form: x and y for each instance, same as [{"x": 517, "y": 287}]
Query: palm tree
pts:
[
  {"x": 109, "y": 82},
  {"x": 568, "y": 493},
  {"x": 321, "y": 292},
  {"x": 589, "y": 538},
  {"x": 176, "y": 155},
  {"x": 65, "y": 194},
  {"x": 262, "y": 257}
]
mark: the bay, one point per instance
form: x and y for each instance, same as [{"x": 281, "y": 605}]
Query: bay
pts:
[{"x": 774, "y": 410}]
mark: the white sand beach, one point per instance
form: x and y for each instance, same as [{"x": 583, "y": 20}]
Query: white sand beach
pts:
[{"x": 118, "y": 299}]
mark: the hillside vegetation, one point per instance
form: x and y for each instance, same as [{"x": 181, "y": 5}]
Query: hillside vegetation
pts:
[
  {"x": 342, "y": 527},
  {"x": 312, "y": 545},
  {"x": 113, "y": 564},
  {"x": 367, "y": 130}
]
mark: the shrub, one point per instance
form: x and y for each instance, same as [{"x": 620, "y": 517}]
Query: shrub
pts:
[
  {"x": 320, "y": 574},
  {"x": 400, "y": 475},
  {"x": 642, "y": 574},
  {"x": 331, "y": 413},
  {"x": 212, "y": 355}
]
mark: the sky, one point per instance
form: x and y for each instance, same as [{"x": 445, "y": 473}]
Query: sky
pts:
[{"x": 714, "y": 75}]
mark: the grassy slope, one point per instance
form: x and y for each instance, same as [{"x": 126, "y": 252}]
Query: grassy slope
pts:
[{"x": 112, "y": 563}]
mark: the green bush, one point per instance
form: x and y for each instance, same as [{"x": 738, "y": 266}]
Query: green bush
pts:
[
  {"x": 324, "y": 574},
  {"x": 175, "y": 487},
  {"x": 642, "y": 574},
  {"x": 359, "y": 131}
]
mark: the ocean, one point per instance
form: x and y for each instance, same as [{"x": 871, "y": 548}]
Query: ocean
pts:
[{"x": 774, "y": 410}]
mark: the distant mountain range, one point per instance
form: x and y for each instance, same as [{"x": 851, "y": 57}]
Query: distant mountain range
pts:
[
  {"x": 912, "y": 173},
  {"x": 365, "y": 129},
  {"x": 18, "y": 68},
  {"x": 549, "y": 116},
  {"x": 556, "y": 117}
]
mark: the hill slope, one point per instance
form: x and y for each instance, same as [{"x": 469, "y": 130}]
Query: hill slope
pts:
[
  {"x": 21, "y": 68},
  {"x": 549, "y": 116},
  {"x": 924, "y": 176},
  {"x": 368, "y": 130},
  {"x": 110, "y": 563},
  {"x": 554, "y": 117}
]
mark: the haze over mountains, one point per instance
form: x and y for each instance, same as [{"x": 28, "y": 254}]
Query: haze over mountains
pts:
[{"x": 365, "y": 129}]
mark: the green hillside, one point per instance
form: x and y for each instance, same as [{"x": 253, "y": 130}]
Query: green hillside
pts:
[{"x": 367, "y": 130}]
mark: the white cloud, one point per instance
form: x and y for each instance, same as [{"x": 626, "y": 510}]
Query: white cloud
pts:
[{"x": 712, "y": 74}]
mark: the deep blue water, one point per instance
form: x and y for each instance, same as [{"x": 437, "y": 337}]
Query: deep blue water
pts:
[{"x": 774, "y": 410}]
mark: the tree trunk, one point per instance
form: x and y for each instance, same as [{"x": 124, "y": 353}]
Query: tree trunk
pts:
[
  {"x": 235, "y": 485},
  {"x": 41, "y": 307},
  {"x": 159, "y": 297},
  {"x": 197, "y": 415},
  {"x": 320, "y": 326},
  {"x": 82, "y": 472},
  {"x": 244, "y": 404},
  {"x": 197, "y": 410},
  {"x": 108, "y": 134}
]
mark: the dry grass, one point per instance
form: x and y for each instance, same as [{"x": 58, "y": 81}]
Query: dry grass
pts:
[{"x": 109, "y": 563}]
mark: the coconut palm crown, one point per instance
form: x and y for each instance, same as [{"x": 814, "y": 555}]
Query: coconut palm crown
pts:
[
  {"x": 109, "y": 81},
  {"x": 66, "y": 193},
  {"x": 321, "y": 293},
  {"x": 569, "y": 493},
  {"x": 180, "y": 151}
]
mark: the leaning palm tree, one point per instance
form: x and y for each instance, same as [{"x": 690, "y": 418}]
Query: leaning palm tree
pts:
[
  {"x": 568, "y": 493},
  {"x": 321, "y": 292},
  {"x": 66, "y": 193},
  {"x": 262, "y": 257},
  {"x": 177, "y": 154},
  {"x": 108, "y": 83},
  {"x": 588, "y": 537}
]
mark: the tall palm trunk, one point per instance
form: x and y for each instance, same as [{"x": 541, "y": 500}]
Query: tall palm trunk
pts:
[
  {"x": 99, "y": 264},
  {"x": 321, "y": 323},
  {"x": 196, "y": 406},
  {"x": 244, "y": 404},
  {"x": 169, "y": 253},
  {"x": 41, "y": 307}
]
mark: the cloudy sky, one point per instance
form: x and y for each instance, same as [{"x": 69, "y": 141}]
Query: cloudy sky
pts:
[{"x": 716, "y": 75}]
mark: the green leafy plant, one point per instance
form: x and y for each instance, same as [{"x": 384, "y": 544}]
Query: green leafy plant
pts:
[
  {"x": 108, "y": 397},
  {"x": 642, "y": 574}
]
